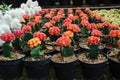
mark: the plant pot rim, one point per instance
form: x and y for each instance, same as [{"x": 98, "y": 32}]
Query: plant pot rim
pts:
[
  {"x": 48, "y": 59},
  {"x": 88, "y": 48},
  {"x": 13, "y": 59},
  {"x": 64, "y": 63},
  {"x": 111, "y": 58},
  {"x": 95, "y": 63}
]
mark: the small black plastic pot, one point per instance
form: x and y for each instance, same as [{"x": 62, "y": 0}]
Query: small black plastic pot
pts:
[
  {"x": 37, "y": 70},
  {"x": 65, "y": 71},
  {"x": 114, "y": 66},
  {"x": 77, "y": 2},
  {"x": 93, "y": 71},
  {"x": 12, "y": 69}
]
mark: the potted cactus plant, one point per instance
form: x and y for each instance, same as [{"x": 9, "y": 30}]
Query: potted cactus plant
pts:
[
  {"x": 84, "y": 45},
  {"x": 93, "y": 61},
  {"x": 65, "y": 62},
  {"x": 37, "y": 62},
  {"x": 10, "y": 61},
  {"x": 54, "y": 33},
  {"x": 114, "y": 60},
  {"x": 18, "y": 42}
]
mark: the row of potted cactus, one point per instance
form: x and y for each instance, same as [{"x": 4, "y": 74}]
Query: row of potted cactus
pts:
[
  {"x": 64, "y": 30},
  {"x": 112, "y": 15}
]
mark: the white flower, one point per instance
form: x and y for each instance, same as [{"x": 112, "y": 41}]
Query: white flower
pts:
[
  {"x": 29, "y": 3},
  {"x": 7, "y": 19},
  {"x": 38, "y": 8},
  {"x": 36, "y": 3},
  {"x": 15, "y": 24},
  {"x": 20, "y": 13},
  {"x": 31, "y": 11},
  {"x": 4, "y": 28},
  {"x": 23, "y": 6},
  {"x": 12, "y": 13},
  {"x": 27, "y": 11}
]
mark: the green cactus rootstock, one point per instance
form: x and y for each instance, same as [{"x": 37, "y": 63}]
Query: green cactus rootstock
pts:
[
  {"x": 105, "y": 30},
  {"x": 34, "y": 29},
  {"x": 93, "y": 51},
  {"x": 114, "y": 41},
  {"x": 85, "y": 31},
  {"x": 7, "y": 49},
  {"x": 27, "y": 36},
  {"x": 43, "y": 45},
  {"x": 76, "y": 37},
  {"x": 18, "y": 44},
  {"x": 67, "y": 51},
  {"x": 37, "y": 51},
  {"x": 54, "y": 37}
]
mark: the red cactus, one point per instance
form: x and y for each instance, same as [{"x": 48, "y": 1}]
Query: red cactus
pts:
[
  {"x": 37, "y": 19},
  {"x": 18, "y": 33},
  {"x": 93, "y": 40},
  {"x": 63, "y": 41},
  {"x": 106, "y": 24},
  {"x": 48, "y": 25},
  {"x": 7, "y": 37},
  {"x": 96, "y": 32},
  {"x": 40, "y": 35},
  {"x": 114, "y": 33},
  {"x": 26, "y": 28},
  {"x": 26, "y": 16},
  {"x": 48, "y": 16},
  {"x": 31, "y": 24},
  {"x": 91, "y": 26},
  {"x": 54, "y": 31},
  {"x": 68, "y": 34},
  {"x": 73, "y": 28}
]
